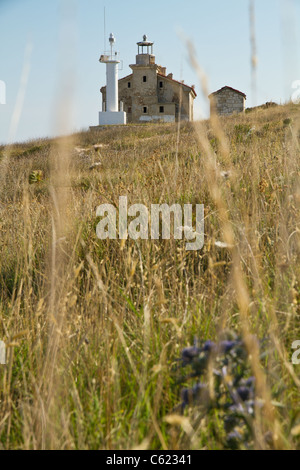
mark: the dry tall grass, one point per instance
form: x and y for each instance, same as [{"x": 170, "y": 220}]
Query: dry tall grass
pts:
[{"x": 94, "y": 327}]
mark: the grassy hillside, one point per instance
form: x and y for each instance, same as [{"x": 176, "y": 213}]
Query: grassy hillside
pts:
[{"x": 95, "y": 329}]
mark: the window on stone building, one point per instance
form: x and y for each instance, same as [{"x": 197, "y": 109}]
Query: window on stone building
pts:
[
  {"x": 144, "y": 78},
  {"x": 129, "y": 109},
  {"x": 129, "y": 84},
  {"x": 145, "y": 110},
  {"x": 161, "y": 84},
  {"x": 161, "y": 109}
]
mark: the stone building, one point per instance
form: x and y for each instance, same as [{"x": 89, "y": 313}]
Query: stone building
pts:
[
  {"x": 227, "y": 101},
  {"x": 149, "y": 94}
]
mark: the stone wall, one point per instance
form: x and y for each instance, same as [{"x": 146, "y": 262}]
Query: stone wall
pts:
[
  {"x": 226, "y": 102},
  {"x": 170, "y": 93},
  {"x": 144, "y": 94}
]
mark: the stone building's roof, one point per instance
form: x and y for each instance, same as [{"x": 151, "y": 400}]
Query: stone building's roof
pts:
[
  {"x": 124, "y": 78},
  {"x": 180, "y": 83},
  {"x": 103, "y": 88},
  {"x": 229, "y": 88}
]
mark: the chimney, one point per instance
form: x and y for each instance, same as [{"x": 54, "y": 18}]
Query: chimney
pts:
[{"x": 170, "y": 75}]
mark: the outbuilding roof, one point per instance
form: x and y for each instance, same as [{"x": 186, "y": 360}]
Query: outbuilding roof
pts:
[{"x": 230, "y": 88}]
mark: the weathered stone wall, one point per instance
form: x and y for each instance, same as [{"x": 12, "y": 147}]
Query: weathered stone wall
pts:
[
  {"x": 170, "y": 93},
  {"x": 227, "y": 102},
  {"x": 144, "y": 94},
  {"x": 125, "y": 95}
]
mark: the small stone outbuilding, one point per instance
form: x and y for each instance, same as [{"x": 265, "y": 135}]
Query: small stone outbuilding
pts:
[{"x": 227, "y": 101}]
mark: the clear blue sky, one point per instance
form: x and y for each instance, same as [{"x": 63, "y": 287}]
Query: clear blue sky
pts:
[{"x": 219, "y": 30}]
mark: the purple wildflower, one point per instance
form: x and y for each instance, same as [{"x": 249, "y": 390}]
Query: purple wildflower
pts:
[{"x": 188, "y": 354}]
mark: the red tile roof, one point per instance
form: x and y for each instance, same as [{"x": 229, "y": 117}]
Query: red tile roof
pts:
[{"x": 229, "y": 87}]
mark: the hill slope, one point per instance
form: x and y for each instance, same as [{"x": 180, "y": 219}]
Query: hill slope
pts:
[{"x": 96, "y": 327}]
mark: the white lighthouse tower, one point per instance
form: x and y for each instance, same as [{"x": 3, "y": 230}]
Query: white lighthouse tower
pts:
[{"x": 111, "y": 114}]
